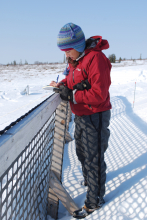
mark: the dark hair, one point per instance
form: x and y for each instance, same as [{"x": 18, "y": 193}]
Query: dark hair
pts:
[{"x": 74, "y": 63}]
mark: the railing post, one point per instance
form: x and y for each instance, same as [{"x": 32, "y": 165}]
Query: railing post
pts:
[
  {"x": 57, "y": 155},
  {"x": 69, "y": 115},
  {"x": 68, "y": 138},
  {"x": 56, "y": 190}
]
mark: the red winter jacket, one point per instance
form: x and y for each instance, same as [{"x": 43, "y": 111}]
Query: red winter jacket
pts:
[{"x": 97, "y": 67}]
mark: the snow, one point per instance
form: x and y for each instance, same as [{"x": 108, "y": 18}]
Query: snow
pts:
[
  {"x": 14, "y": 79},
  {"x": 126, "y": 157}
]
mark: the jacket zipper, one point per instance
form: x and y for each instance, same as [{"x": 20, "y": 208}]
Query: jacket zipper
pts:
[{"x": 73, "y": 75}]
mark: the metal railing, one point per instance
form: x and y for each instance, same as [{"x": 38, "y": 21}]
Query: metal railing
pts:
[{"x": 25, "y": 160}]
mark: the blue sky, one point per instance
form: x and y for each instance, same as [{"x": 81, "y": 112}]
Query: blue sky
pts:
[{"x": 29, "y": 29}]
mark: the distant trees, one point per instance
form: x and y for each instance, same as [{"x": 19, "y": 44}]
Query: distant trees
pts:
[
  {"x": 26, "y": 63},
  {"x": 14, "y": 62},
  {"x": 38, "y": 62},
  {"x": 112, "y": 58},
  {"x": 120, "y": 59}
]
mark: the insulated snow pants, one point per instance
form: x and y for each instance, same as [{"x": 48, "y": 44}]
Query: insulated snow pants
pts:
[{"x": 91, "y": 138}]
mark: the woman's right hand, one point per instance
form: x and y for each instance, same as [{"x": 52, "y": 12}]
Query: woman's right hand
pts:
[{"x": 54, "y": 84}]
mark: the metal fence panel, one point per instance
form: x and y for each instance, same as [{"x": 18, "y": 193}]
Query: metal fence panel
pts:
[{"x": 24, "y": 185}]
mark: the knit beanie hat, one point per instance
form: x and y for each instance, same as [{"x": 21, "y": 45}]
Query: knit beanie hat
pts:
[{"x": 70, "y": 37}]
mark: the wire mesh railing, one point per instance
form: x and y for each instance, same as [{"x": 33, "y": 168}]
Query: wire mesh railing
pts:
[{"x": 24, "y": 185}]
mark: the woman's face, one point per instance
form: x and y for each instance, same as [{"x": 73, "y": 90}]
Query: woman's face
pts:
[{"x": 73, "y": 54}]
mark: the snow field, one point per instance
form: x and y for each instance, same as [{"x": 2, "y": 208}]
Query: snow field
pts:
[{"x": 14, "y": 79}]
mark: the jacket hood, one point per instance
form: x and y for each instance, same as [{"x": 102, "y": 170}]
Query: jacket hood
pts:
[{"x": 95, "y": 43}]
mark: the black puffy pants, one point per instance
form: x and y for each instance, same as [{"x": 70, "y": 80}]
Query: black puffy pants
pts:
[{"x": 91, "y": 138}]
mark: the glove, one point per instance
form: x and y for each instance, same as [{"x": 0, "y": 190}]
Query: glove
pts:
[
  {"x": 65, "y": 93},
  {"x": 83, "y": 85},
  {"x": 57, "y": 89}
]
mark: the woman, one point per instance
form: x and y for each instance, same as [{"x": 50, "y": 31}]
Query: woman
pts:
[{"x": 86, "y": 86}]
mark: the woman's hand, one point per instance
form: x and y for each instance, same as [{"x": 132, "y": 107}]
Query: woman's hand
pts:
[
  {"x": 54, "y": 84},
  {"x": 65, "y": 93},
  {"x": 83, "y": 85}
]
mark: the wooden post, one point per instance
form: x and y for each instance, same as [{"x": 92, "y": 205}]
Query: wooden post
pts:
[
  {"x": 69, "y": 114},
  {"x": 56, "y": 190},
  {"x": 68, "y": 138},
  {"x": 62, "y": 194}
]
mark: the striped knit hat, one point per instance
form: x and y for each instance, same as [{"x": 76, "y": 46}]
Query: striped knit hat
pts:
[{"x": 70, "y": 37}]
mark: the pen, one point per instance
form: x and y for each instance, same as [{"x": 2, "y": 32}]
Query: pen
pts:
[{"x": 57, "y": 79}]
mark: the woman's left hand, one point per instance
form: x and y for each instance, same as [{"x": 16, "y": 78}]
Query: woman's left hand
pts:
[{"x": 83, "y": 85}]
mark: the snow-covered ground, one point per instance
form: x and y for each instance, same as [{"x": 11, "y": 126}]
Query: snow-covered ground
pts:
[
  {"x": 13, "y": 81},
  {"x": 126, "y": 157}
]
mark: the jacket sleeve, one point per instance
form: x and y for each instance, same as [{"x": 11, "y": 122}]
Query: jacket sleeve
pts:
[{"x": 99, "y": 78}]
